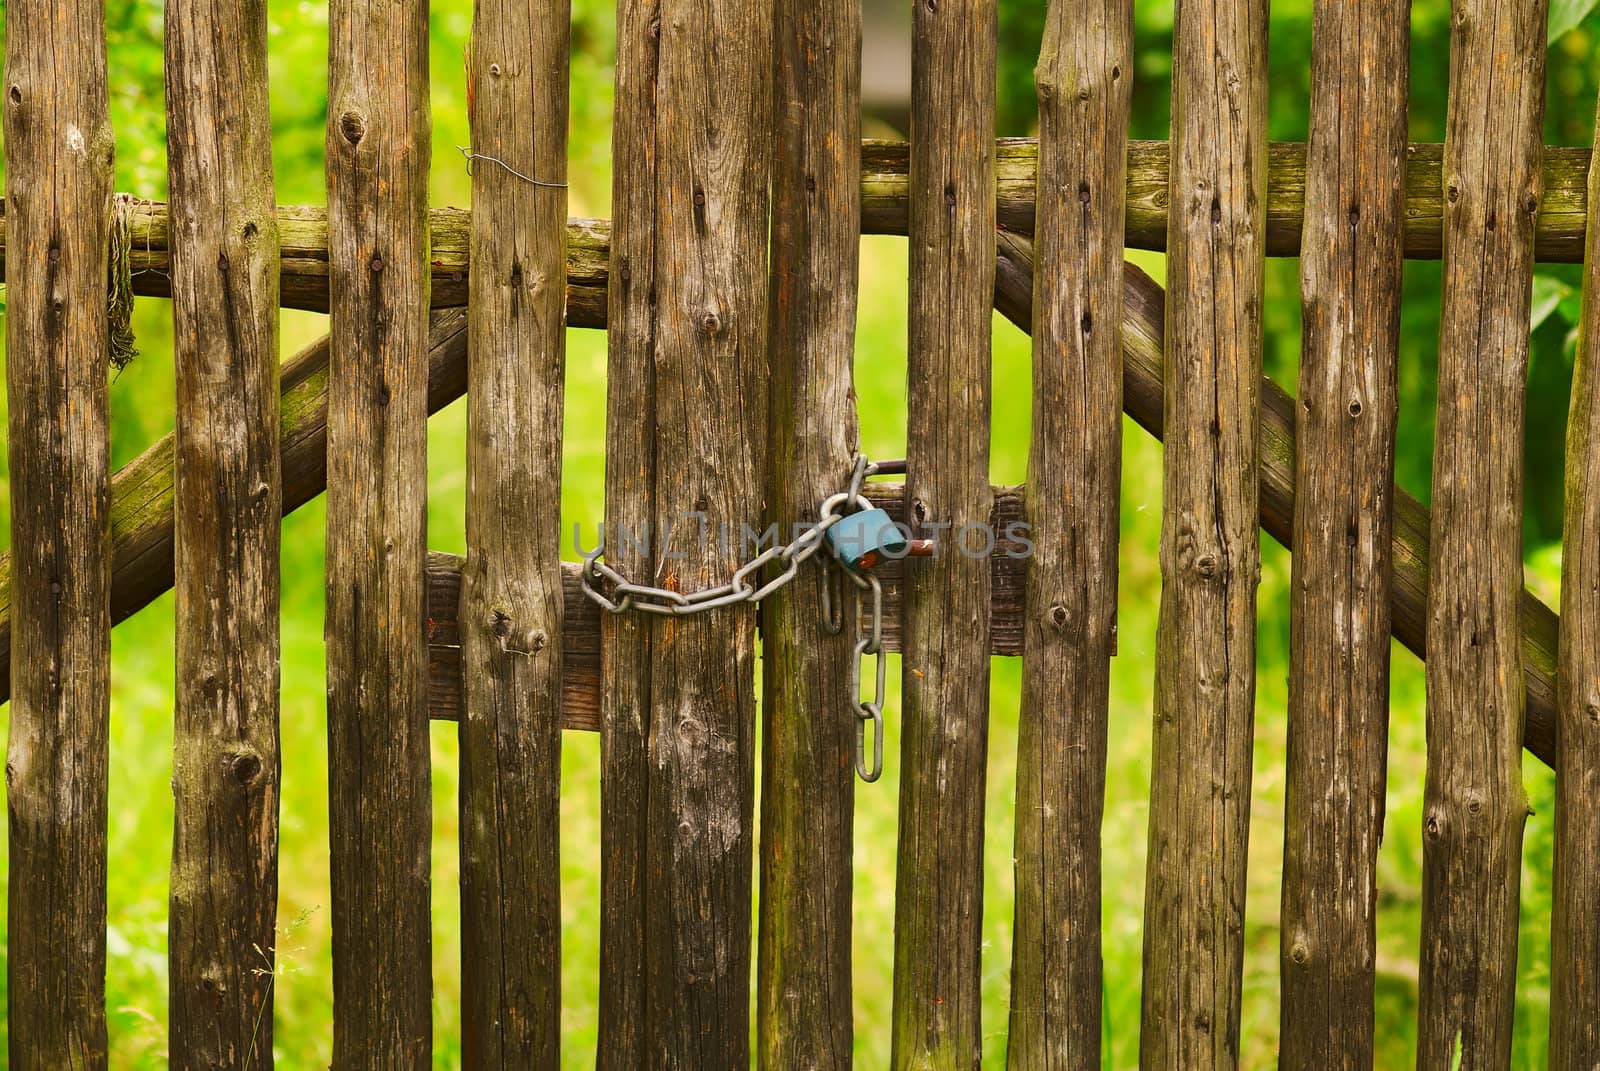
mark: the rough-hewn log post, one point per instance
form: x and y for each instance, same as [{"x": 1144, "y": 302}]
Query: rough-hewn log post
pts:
[
  {"x": 510, "y": 622},
  {"x": 1575, "y": 921},
  {"x": 1084, "y": 80},
  {"x": 1474, "y": 804},
  {"x": 58, "y": 191},
  {"x": 1210, "y": 557},
  {"x": 1339, "y": 650},
  {"x": 945, "y": 667},
  {"x": 379, "y": 806},
  {"x": 228, "y": 505},
  {"x": 804, "y": 989}
]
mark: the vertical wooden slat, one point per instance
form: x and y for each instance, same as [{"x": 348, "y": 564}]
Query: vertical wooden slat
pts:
[
  {"x": 1350, "y": 281},
  {"x": 713, "y": 149},
  {"x": 630, "y": 507},
  {"x": 379, "y": 809},
  {"x": 58, "y": 149},
  {"x": 945, "y": 667},
  {"x": 804, "y": 1005},
  {"x": 1084, "y": 79},
  {"x": 1575, "y": 921},
  {"x": 1210, "y": 564},
  {"x": 511, "y": 583},
  {"x": 227, "y": 508},
  {"x": 688, "y": 299},
  {"x": 1474, "y": 805}
]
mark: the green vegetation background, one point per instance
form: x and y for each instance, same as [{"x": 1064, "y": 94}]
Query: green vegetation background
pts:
[{"x": 141, "y": 399}]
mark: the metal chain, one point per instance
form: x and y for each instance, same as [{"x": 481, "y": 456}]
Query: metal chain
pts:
[{"x": 626, "y": 595}]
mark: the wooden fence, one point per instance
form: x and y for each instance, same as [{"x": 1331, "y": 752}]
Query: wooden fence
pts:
[{"x": 730, "y": 396}]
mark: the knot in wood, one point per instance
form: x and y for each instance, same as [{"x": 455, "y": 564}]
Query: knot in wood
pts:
[
  {"x": 1434, "y": 826},
  {"x": 353, "y": 127},
  {"x": 244, "y": 766}
]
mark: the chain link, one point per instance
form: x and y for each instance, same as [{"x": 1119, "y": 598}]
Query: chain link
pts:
[{"x": 744, "y": 586}]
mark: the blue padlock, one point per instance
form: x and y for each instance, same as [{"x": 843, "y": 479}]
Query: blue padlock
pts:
[{"x": 861, "y": 540}]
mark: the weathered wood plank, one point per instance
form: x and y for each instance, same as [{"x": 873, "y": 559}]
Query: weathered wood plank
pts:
[
  {"x": 511, "y": 599},
  {"x": 803, "y": 990},
  {"x": 1558, "y": 234},
  {"x": 1350, "y": 284},
  {"x": 1210, "y": 554},
  {"x": 58, "y": 147},
  {"x": 1474, "y": 805},
  {"x": 1575, "y": 919},
  {"x": 226, "y": 758},
  {"x": 379, "y": 805},
  {"x": 1084, "y": 81},
  {"x": 625, "y": 655},
  {"x": 713, "y": 155},
  {"x": 945, "y": 667}
]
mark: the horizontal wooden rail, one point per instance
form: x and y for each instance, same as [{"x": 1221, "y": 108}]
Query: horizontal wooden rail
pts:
[
  {"x": 1559, "y": 233},
  {"x": 141, "y": 515}
]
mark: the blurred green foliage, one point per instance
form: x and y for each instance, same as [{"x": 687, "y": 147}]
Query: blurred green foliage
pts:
[{"x": 141, "y": 399}]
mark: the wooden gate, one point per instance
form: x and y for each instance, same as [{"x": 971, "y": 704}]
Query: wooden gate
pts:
[{"x": 727, "y": 285}]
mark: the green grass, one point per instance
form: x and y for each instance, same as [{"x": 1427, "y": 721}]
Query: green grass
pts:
[{"x": 141, "y": 752}]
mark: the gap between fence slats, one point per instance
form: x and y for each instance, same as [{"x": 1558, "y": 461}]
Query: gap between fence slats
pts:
[
  {"x": 58, "y": 148},
  {"x": 226, "y": 761},
  {"x": 1210, "y": 556},
  {"x": 1575, "y": 922},
  {"x": 1350, "y": 284},
  {"x": 945, "y": 665},
  {"x": 1069, "y": 618},
  {"x": 510, "y": 625},
  {"x": 379, "y": 803},
  {"x": 1474, "y": 806},
  {"x": 803, "y": 1000}
]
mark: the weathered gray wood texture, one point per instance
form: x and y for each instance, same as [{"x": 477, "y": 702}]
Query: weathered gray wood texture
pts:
[
  {"x": 511, "y": 600},
  {"x": 713, "y": 150},
  {"x": 803, "y": 1002},
  {"x": 226, "y": 760},
  {"x": 379, "y": 805},
  {"x": 1073, "y": 495},
  {"x": 1575, "y": 919},
  {"x": 945, "y": 666},
  {"x": 1210, "y": 555},
  {"x": 1474, "y": 804},
  {"x": 693, "y": 154},
  {"x": 623, "y": 683},
  {"x": 1350, "y": 285},
  {"x": 58, "y": 148}
]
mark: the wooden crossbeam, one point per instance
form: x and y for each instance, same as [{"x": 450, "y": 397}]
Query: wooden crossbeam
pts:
[{"x": 1559, "y": 229}]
